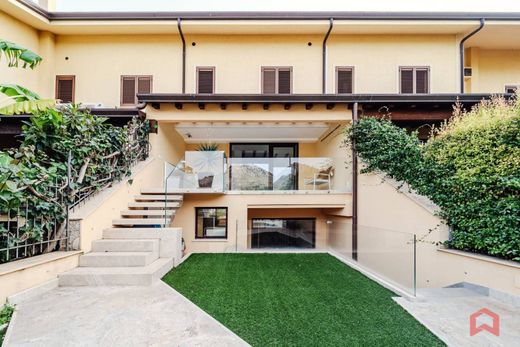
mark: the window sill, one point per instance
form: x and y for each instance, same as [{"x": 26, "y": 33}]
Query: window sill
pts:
[{"x": 210, "y": 240}]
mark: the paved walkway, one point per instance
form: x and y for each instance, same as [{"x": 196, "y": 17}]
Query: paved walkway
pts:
[
  {"x": 116, "y": 316},
  {"x": 446, "y": 312}
]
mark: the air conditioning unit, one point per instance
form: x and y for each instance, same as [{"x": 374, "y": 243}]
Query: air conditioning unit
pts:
[
  {"x": 92, "y": 105},
  {"x": 468, "y": 72}
]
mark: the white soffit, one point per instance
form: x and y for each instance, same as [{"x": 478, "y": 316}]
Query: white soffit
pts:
[{"x": 251, "y": 132}]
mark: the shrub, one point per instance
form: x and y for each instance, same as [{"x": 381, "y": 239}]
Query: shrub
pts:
[
  {"x": 470, "y": 168},
  {"x": 5, "y": 317},
  {"x": 64, "y": 154}
]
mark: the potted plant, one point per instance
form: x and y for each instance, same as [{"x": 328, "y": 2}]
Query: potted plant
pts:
[{"x": 206, "y": 164}]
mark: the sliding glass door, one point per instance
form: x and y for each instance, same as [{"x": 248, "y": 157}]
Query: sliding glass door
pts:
[{"x": 283, "y": 233}]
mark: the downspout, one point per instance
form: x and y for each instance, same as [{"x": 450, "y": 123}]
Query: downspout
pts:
[
  {"x": 183, "y": 56},
  {"x": 354, "y": 188},
  {"x": 324, "y": 57},
  {"x": 461, "y": 52}
]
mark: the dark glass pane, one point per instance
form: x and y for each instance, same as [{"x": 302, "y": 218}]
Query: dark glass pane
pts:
[{"x": 283, "y": 233}]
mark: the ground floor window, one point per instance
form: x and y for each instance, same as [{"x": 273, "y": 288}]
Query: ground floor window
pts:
[
  {"x": 283, "y": 233},
  {"x": 211, "y": 222}
]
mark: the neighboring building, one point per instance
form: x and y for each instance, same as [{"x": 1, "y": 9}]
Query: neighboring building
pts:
[{"x": 273, "y": 90}]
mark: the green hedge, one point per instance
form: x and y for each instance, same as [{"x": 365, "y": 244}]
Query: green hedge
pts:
[
  {"x": 36, "y": 173},
  {"x": 470, "y": 168}
]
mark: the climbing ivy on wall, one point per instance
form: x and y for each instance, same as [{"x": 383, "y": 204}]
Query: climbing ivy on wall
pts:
[
  {"x": 64, "y": 154},
  {"x": 470, "y": 167}
]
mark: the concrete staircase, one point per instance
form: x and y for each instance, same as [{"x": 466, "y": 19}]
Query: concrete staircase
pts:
[{"x": 139, "y": 249}]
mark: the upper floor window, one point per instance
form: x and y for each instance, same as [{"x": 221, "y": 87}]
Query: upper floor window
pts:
[
  {"x": 344, "y": 80},
  {"x": 205, "y": 80},
  {"x": 276, "y": 80},
  {"x": 65, "y": 88},
  {"x": 133, "y": 85},
  {"x": 414, "y": 80},
  {"x": 511, "y": 89}
]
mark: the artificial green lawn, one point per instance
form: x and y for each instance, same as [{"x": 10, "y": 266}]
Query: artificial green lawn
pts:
[{"x": 296, "y": 300}]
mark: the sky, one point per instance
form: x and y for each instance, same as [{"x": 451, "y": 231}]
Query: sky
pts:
[{"x": 291, "y": 5}]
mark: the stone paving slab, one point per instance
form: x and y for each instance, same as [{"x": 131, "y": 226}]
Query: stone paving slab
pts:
[
  {"x": 446, "y": 313},
  {"x": 115, "y": 316}
]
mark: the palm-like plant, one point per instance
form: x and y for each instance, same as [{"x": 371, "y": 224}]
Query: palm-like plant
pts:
[{"x": 15, "y": 99}]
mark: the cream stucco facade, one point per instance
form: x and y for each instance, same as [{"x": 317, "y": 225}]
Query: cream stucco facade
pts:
[{"x": 99, "y": 51}]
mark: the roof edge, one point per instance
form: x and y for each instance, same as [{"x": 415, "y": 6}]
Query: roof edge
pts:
[
  {"x": 447, "y": 98},
  {"x": 264, "y": 15}
]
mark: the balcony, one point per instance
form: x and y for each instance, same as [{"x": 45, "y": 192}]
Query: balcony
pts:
[{"x": 212, "y": 172}]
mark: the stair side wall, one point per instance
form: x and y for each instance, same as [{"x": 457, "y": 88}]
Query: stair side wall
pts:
[{"x": 97, "y": 214}]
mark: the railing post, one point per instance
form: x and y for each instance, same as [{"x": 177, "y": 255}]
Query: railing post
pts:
[
  {"x": 414, "y": 265},
  {"x": 68, "y": 190},
  {"x": 165, "y": 195},
  {"x": 354, "y": 188}
]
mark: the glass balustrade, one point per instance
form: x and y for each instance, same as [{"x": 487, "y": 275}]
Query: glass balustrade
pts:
[
  {"x": 210, "y": 171},
  {"x": 288, "y": 174}
]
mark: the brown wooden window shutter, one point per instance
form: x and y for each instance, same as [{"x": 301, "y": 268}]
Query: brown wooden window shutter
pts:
[
  {"x": 128, "y": 90},
  {"x": 205, "y": 80},
  {"x": 276, "y": 80},
  {"x": 268, "y": 80},
  {"x": 65, "y": 88},
  {"x": 284, "y": 81},
  {"x": 414, "y": 80},
  {"x": 421, "y": 81},
  {"x": 144, "y": 85},
  {"x": 406, "y": 81},
  {"x": 345, "y": 80},
  {"x": 133, "y": 85}
]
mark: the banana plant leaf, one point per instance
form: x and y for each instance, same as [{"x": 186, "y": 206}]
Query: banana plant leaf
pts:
[
  {"x": 16, "y": 54},
  {"x": 15, "y": 99}
]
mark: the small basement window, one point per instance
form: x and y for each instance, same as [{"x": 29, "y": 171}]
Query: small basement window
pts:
[
  {"x": 511, "y": 89},
  {"x": 211, "y": 223}
]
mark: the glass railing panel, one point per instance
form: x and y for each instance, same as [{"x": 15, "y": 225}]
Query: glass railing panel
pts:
[
  {"x": 199, "y": 171},
  {"x": 389, "y": 254},
  {"x": 289, "y": 174}
]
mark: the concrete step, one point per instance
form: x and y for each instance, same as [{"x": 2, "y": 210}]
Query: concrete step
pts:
[
  {"x": 139, "y": 221},
  {"x": 446, "y": 293},
  {"x": 136, "y": 233},
  {"x": 158, "y": 197},
  {"x": 160, "y": 213},
  {"x": 160, "y": 205},
  {"x": 117, "y": 276},
  {"x": 117, "y": 259},
  {"x": 156, "y": 191},
  {"x": 122, "y": 245}
]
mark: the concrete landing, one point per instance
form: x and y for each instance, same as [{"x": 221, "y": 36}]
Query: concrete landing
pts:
[
  {"x": 115, "y": 316},
  {"x": 446, "y": 312}
]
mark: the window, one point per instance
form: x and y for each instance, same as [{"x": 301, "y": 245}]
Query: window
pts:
[
  {"x": 65, "y": 88},
  {"x": 276, "y": 80},
  {"x": 414, "y": 80},
  {"x": 211, "y": 223},
  {"x": 205, "y": 80},
  {"x": 511, "y": 89},
  {"x": 133, "y": 85},
  {"x": 344, "y": 80}
]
